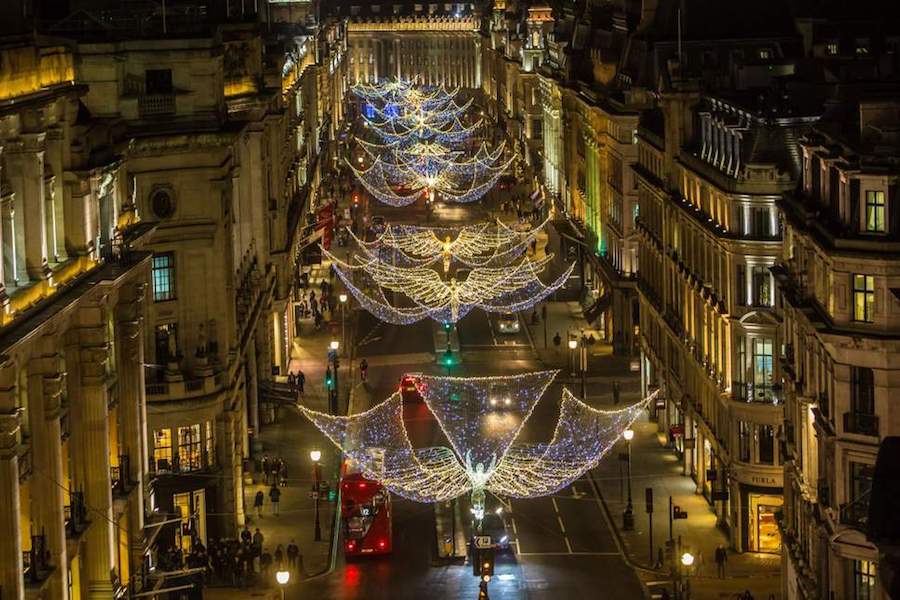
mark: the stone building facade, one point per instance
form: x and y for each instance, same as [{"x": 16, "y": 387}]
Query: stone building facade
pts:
[{"x": 838, "y": 275}]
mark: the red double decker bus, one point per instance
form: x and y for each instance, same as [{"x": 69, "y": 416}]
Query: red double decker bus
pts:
[{"x": 366, "y": 515}]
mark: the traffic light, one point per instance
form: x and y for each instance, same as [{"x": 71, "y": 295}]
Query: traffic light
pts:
[
  {"x": 486, "y": 562},
  {"x": 448, "y": 326},
  {"x": 329, "y": 379}
]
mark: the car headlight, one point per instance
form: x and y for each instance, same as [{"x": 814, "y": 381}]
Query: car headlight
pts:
[{"x": 504, "y": 539}]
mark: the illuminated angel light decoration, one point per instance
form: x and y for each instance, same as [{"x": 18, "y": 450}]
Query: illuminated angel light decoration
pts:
[
  {"x": 400, "y": 178},
  {"x": 482, "y": 418},
  {"x": 490, "y": 243},
  {"x": 493, "y": 289}
]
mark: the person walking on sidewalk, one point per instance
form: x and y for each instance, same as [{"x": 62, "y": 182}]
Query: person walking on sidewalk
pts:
[
  {"x": 363, "y": 370},
  {"x": 258, "y": 503},
  {"x": 721, "y": 559},
  {"x": 616, "y": 389},
  {"x": 292, "y": 383},
  {"x": 258, "y": 539},
  {"x": 274, "y": 498},
  {"x": 246, "y": 536},
  {"x": 301, "y": 380},
  {"x": 293, "y": 552}
]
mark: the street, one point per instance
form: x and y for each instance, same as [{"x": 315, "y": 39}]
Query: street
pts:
[{"x": 561, "y": 546}]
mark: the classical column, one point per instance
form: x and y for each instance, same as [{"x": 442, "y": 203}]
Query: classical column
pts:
[
  {"x": 231, "y": 489},
  {"x": 44, "y": 400},
  {"x": 11, "y": 574},
  {"x": 133, "y": 412},
  {"x": 87, "y": 364},
  {"x": 53, "y": 194},
  {"x": 26, "y": 176},
  {"x": 253, "y": 395}
]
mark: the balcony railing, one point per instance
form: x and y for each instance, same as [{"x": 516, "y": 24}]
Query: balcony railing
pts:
[
  {"x": 119, "y": 475},
  {"x": 861, "y": 424},
  {"x": 75, "y": 514},
  {"x": 36, "y": 562},
  {"x": 750, "y": 392},
  {"x": 154, "y": 105}
]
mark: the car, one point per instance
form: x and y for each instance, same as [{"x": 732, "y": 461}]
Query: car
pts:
[
  {"x": 508, "y": 323},
  {"x": 500, "y": 402},
  {"x": 409, "y": 388},
  {"x": 494, "y": 525}
]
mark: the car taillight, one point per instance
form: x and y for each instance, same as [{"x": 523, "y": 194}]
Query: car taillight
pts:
[
  {"x": 382, "y": 544},
  {"x": 351, "y": 545},
  {"x": 362, "y": 486}
]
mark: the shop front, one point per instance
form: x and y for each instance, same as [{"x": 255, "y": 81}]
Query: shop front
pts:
[{"x": 759, "y": 528}]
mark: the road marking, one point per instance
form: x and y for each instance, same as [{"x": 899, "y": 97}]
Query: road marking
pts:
[
  {"x": 568, "y": 553},
  {"x": 562, "y": 527}
]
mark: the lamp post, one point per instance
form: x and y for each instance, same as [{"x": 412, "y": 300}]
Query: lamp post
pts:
[
  {"x": 572, "y": 345},
  {"x": 315, "y": 456},
  {"x": 583, "y": 366},
  {"x": 282, "y": 577},
  {"x": 628, "y": 515},
  {"x": 343, "y": 299},
  {"x": 334, "y": 346},
  {"x": 684, "y": 592}
]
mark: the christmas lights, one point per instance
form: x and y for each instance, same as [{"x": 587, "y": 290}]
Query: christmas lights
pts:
[
  {"x": 482, "y": 417},
  {"x": 490, "y": 243},
  {"x": 494, "y": 289}
]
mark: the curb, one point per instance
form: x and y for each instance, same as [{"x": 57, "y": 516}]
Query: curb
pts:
[{"x": 620, "y": 543}]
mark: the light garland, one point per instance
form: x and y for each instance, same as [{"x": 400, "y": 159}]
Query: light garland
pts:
[
  {"x": 465, "y": 409},
  {"x": 494, "y": 289},
  {"x": 490, "y": 243}
]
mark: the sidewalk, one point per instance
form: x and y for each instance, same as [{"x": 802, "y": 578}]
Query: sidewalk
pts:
[{"x": 655, "y": 466}]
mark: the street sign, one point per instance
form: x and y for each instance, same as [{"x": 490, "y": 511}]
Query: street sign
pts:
[{"x": 483, "y": 541}]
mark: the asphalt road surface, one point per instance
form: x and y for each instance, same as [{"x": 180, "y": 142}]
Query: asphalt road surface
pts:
[{"x": 562, "y": 546}]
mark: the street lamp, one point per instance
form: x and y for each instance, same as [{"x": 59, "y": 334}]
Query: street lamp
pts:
[
  {"x": 628, "y": 515},
  {"x": 343, "y": 299},
  {"x": 334, "y": 345},
  {"x": 315, "y": 456},
  {"x": 282, "y": 577},
  {"x": 687, "y": 559},
  {"x": 572, "y": 345}
]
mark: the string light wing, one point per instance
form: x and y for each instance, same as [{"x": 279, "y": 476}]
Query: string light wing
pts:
[
  {"x": 482, "y": 416},
  {"x": 378, "y": 441},
  {"x": 582, "y": 437}
]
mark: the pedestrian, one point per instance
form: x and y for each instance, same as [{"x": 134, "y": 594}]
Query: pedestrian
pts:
[
  {"x": 292, "y": 383},
  {"x": 363, "y": 369},
  {"x": 284, "y": 475},
  {"x": 747, "y": 595},
  {"x": 293, "y": 551},
  {"x": 258, "y": 503},
  {"x": 279, "y": 470},
  {"x": 615, "y": 390},
  {"x": 274, "y": 497},
  {"x": 246, "y": 536},
  {"x": 301, "y": 379},
  {"x": 557, "y": 339},
  {"x": 258, "y": 539},
  {"x": 279, "y": 557},
  {"x": 721, "y": 559},
  {"x": 266, "y": 467}
]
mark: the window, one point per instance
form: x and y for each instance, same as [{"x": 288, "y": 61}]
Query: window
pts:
[
  {"x": 864, "y": 578},
  {"x": 162, "y": 449},
  {"x": 765, "y": 54},
  {"x": 862, "y": 391},
  {"x": 163, "y": 277},
  {"x": 189, "y": 448},
  {"x": 158, "y": 81},
  {"x": 745, "y": 432},
  {"x": 860, "y": 481},
  {"x": 864, "y": 298},
  {"x": 762, "y": 369},
  {"x": 766, "y": 445},
  {"x": 762, "y": 286},
  {"x": 210, "y": 443},
  {"x": 875, "y": 211},
  {"x": 831, "y": 49}
]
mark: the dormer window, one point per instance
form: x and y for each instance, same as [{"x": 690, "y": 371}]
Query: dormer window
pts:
[
  {"x": 831, "y": 48},
  {"x": 874, "y": 211},
  {"x": 765, "y": 54}
]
